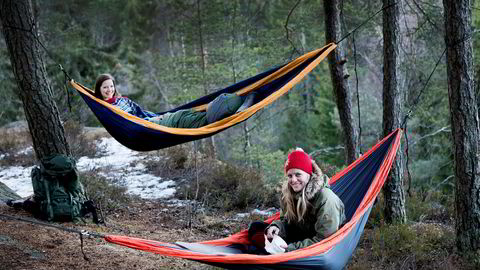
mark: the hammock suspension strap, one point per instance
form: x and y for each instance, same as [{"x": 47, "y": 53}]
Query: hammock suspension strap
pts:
[{"x": 81, "y": 233}]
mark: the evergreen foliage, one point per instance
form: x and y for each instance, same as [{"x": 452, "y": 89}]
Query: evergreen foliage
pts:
[
  {"x": 312, "y": 119},
  {"x": 11, "y": 109},
  {"x": 154, "y": 49}
]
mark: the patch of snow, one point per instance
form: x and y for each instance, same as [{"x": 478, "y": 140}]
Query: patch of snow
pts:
[
  {"x": 116, "y": 156},
  {"x": 18, "y": 179},
  {"x": 119, "y": 164},
  {"x": 265, "y": 213},
  {"x": 26, "y": 151}
]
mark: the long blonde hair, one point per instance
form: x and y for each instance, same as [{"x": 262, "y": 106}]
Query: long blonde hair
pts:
[{"x": 295, "y": 204}]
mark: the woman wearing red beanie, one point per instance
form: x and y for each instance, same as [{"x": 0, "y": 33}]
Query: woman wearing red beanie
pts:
[{"x": 311, "y": 211}]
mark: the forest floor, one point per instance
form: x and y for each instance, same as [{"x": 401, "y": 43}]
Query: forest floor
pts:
[
  {"x": 426, "y": 242},
  {"x": 25, "y": 245}
]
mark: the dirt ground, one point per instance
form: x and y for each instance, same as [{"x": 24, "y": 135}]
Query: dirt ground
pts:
[{"x": 29, "y": 246}]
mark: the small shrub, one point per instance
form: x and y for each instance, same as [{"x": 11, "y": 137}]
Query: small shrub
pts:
[
  {"x": 414, "y": 246},
  {"x": 439, "y": 207},
  {"x": 327, "y": 168},
  {"x": 377, "y": 217},
  {"x": 79, "y": 144},
  {"x": 225, "y": 186},
  {"x": 171, "y": 162},
  {"x": 270, "y": 164},
  {"x": 471, "y": 260},
  {"x": 105, "y": 195},
  {"x": 16, "y": 148}
]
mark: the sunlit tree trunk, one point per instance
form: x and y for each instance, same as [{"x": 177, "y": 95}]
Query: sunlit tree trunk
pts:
[
  {"x": 465, "y": 126},
  {"x": 21, "y": 37},
  {"x": 339, "y": 75},
  {"x": 393, "y": 100}
]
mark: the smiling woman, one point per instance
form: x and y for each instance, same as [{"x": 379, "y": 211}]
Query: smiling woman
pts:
[
  {"x": 311, "y": 211},
  {"x": 107, "y": 89},
  {"x": 222, "y": 106}
]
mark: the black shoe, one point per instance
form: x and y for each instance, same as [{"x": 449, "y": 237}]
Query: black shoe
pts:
[
  {"x": 247, "y": 102},
  {"x": 15, "y": 203}
]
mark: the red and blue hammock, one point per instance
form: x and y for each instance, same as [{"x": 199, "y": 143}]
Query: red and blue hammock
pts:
[
  {"x": 141, "y": 135},
  {"x": 357, "y": 185}
]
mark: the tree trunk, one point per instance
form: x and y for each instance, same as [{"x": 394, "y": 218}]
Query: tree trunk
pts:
[
  {"x": 477, "y": 89},
  {"x": 339, "y": 75},
  {"x": 21, "y": 37},
  {"x": 393, "y": 100},
  {"x": 465, "y": 126},
  {"x": 210, "y": 141}
]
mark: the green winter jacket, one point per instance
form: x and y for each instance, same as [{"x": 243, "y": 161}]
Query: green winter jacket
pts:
[{"x": 325, "y": 215}]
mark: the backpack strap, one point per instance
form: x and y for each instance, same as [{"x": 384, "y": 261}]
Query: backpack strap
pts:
[{"x": 49, "y": 203}]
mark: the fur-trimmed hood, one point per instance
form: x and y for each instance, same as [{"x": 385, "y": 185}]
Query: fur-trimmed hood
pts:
[{"x": 318, "y": 180}]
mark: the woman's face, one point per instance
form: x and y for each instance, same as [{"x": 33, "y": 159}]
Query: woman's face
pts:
[
  {"x": 107, "y": 89},
  {"x": 297, "y": 179}
]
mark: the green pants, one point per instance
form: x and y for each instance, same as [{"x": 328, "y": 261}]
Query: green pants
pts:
[
  {"x": 181, "y": 119},
  {"x": 222, "y": 106}
]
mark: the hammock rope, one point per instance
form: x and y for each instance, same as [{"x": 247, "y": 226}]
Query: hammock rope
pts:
[
  {"x": 408, "y": 115},
  {"x": 81, "y": 233}
]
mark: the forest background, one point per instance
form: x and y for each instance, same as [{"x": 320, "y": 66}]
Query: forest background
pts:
[
  {"x": 154, "y": 49},
  {"x": 166, "y": 53}
]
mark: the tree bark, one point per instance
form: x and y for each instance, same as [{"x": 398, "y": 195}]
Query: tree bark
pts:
[
  {"x": 21, "y": 36},
  {"x": 465, "y": 126},
  {"x": 210, "y": 141},
  {"x": 393, "y": 100},
  {"x": 339, "y": 75}
]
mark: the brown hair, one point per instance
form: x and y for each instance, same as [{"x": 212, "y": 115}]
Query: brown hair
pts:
[{"x": 98, "y": 83}]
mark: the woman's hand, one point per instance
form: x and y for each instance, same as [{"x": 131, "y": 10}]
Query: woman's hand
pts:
[{"x": 272, "y": 231}]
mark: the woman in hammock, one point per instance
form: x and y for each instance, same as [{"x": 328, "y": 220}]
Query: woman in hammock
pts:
[
  {"x": 310, "y": 210},
  {"x": 221, "y": 107}
]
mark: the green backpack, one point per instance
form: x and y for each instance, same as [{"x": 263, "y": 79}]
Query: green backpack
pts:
[{"x": 58, "y": 192}]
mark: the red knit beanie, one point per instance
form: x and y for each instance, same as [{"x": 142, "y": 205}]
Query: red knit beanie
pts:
[{"x": 299, "y": 160}]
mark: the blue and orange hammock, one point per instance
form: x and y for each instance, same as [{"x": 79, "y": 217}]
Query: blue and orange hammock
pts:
[
  {"x": 141, "y": 135},
  {"x": 357, "y": 185}
]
